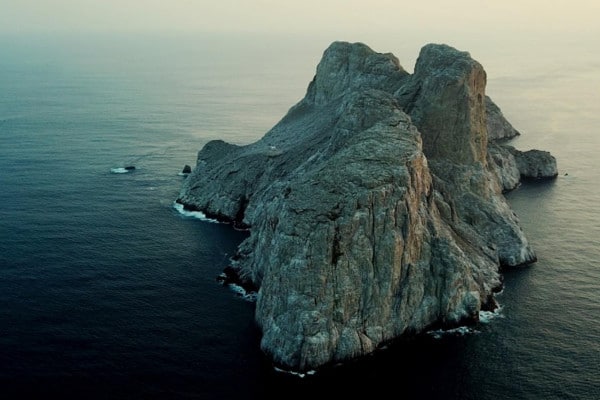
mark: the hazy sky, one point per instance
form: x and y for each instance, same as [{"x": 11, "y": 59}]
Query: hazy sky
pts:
[{"x": 336, "y": 16}]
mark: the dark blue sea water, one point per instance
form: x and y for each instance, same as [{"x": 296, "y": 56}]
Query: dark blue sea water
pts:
[{"x": 106, "y": 291}]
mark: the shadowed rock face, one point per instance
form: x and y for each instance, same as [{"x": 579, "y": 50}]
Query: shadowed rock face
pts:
[
  {"x": 497, "y": 126},
  {"x": 374, "y": 205}
]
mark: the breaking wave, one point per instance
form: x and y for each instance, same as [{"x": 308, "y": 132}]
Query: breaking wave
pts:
[
  {"x": 459, "y": 331},
  {"x": 243, "y": 293},
  {"x": 298, "y": 374},
  {"x": 193, "y": 214},
  {"x": 119, "y": 170},
  {"x": 486, "y": 316}
]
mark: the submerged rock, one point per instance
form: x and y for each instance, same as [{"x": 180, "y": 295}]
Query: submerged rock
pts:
[{"x": 374, "y": 206}]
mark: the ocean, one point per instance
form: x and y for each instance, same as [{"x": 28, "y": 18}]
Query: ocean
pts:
[{"x": 107, "y": 291}]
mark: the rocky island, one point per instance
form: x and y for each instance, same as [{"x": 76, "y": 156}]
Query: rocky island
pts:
[{"x": 375, "y": 205}]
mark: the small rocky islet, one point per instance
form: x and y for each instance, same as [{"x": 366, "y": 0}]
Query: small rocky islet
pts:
[{"x": 375, "y": 206}]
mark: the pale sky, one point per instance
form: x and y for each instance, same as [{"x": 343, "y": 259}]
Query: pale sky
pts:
[{"x": 298, "y": 16}]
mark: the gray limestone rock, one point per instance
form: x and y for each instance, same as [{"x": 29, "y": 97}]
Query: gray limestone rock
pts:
[
  {"x": 374, "y": 207},
  {"x": 502, "y": 162},
  {"x": 446, "y": 101},
  {"x": 535, "y": 164},
  {"x": 351, "y": 67},
  {"x": 445, "y": 98},
  {"x": 497, "y": 126},
  {"x": 511, "y": 165}
]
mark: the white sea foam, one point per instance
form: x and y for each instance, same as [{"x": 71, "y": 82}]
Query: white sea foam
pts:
[
  {"x": 486, "y": 316},
  {"x": 459, "y": 331},
  {"x": 243, "y": 293},
  {"x": 194, "y": 214},
  {"x": 119, "y": 170},
  {"x": 298, "y": 374}
]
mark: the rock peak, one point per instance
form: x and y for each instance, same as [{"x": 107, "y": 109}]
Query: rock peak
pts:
[
  {"x": 347, "y": 67},
  {"x": 446, "y": 100}
]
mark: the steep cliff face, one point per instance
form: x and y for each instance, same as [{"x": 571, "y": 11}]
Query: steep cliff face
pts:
[{"x": 373, "y": 205}]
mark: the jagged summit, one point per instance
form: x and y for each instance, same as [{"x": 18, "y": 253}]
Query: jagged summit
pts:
[{"x": 374, "y": 205}]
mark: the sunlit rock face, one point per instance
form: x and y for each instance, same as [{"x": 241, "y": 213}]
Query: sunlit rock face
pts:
[{"x": 374, "y": 206}]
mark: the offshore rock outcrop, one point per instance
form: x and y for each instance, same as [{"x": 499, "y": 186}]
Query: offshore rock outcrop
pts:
[
  {"x": 374, "y": 205},
  {"x": 511, "y": 165},
  {"x": 535, "y": 164}
]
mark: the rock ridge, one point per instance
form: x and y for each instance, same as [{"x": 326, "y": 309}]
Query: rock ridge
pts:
[{"x": 375, "y": 205}]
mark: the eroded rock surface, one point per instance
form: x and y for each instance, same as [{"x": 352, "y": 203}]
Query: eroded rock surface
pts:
[{"x": 374, "y": 205}]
